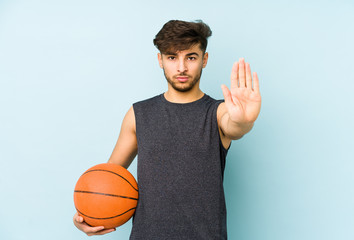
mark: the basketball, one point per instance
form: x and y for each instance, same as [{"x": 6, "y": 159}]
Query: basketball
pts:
[{"x": 106, "y": 195}]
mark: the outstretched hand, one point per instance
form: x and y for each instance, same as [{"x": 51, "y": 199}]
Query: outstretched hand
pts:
[{"x": 243, "y": 100}]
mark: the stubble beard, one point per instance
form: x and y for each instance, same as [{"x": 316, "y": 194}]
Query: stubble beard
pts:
[{"x": 183, "y": 87}]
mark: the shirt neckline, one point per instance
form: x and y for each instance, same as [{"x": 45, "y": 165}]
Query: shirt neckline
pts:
[{"x": 162, "y": 96}]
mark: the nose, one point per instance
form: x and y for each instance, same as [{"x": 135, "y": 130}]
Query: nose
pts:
[{"x": 182, "y": 67}]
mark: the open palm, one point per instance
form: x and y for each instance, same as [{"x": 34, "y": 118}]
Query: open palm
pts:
[{"x": 243, "y": 100}]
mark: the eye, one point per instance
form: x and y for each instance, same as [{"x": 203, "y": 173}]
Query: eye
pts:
[
  {"x": 171, "y": 57},
  {"x": 192, "y": 58}
]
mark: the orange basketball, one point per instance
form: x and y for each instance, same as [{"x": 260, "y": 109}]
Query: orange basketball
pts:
[{"x": 106, "y": 195}]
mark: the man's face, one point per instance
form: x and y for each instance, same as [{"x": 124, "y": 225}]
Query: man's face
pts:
[{"x": 183, "y": 69}]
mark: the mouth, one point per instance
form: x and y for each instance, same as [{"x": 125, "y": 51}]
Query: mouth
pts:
[{"x": 182, "y": 78}]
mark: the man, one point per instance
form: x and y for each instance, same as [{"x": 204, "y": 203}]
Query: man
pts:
[{"x": 181, "y": 138}]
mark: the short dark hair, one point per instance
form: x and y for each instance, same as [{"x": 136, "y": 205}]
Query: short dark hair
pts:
[{"x": 177, "y": 35}]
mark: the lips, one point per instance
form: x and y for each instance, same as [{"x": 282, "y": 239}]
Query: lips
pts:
[{"x": 182, "y": 79}]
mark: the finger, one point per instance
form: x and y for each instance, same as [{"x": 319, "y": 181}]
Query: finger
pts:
[
  {"x": 234, "y": 80},
  {"x": 79, "y": 219},
  {"x": 241, "y": 73},
  {"x": 95, "y": 229},
  {"x": 255, "y": 83},
  {"x": 248, "y": 76},
  {"x": 105, "y": 231},
  {"x": 92, "y": 230},
  {"x": 227, "y": 96}
]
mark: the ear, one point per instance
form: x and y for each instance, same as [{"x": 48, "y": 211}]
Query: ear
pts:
[
  {"x": 205, "y": 59},
  {"x": 159, "y": 57}
]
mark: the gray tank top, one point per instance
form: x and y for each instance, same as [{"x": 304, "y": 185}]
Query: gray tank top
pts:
[{"x": 181, "y": 164}]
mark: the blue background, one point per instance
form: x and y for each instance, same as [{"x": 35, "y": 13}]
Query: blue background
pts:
[{"x": 70, "y": 70}]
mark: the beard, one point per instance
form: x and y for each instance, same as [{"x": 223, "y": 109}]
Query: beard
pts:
[{"x": 183, "y": 87}]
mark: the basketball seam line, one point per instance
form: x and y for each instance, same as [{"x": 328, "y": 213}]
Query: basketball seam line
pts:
[
  {"x": 113, "y": 173},
  {"x": 105, "y": 194},
  {"x": 106, "y": 217}
]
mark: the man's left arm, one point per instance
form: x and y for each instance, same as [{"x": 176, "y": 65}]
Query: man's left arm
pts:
[{"x": 242, "y": 105}]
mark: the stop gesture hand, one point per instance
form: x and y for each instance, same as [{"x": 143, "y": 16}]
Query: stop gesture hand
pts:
[{"x": 243, "y": 100}]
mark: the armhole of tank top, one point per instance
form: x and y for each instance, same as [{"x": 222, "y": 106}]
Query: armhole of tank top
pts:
[
  {"x": 136, "y": 119},
  {"x": 225, "y": 150}
]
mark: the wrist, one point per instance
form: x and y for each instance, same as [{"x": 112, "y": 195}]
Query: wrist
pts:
[{"x": 236, "y": 130}]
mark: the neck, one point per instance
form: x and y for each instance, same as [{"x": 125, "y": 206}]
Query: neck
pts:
[{"x": 183, "y": 97}]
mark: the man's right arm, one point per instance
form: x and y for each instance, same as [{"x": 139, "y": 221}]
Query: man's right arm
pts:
[
  {"x": 126, "y": 147},
  {"x": 123, "y": 154}
]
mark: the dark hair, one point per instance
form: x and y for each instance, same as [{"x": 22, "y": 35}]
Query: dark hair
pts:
[{"x": 178, "y": 35}]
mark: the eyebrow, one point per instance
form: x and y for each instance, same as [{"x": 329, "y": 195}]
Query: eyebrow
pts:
[
  {"x": 193, "y": 53},
  {"x": 188, "y": 54}
]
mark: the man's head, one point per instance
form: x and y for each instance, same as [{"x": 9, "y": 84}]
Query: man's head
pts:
[
  {"x": 178, "y": 35},
  {"x": 182, "y": 54}
]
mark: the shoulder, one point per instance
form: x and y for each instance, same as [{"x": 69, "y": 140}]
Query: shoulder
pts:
[
  {"x": 129, "y": 120},
  {"x": 148, "y": 101},
  {"x": 146, "y": 109},
  {"x": 221, "y": 111},
  {"x": 219, "y": 105}
]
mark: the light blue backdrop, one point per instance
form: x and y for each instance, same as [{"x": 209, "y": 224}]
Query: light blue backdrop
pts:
[{"x": 69, "y": 71}]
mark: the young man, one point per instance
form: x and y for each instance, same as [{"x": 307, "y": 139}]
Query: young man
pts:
[{"x": 181, "y": 138}]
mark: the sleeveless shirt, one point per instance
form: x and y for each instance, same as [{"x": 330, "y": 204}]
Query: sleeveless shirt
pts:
[{"x": 181, "y": 163}]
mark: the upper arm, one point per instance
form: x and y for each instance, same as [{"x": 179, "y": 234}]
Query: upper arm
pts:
[
  {"x": 126, "y": 147},
  {"x": 222, "y": 121}
]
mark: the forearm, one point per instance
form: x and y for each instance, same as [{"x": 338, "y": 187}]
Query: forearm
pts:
[{"x": 235, "y": 130}]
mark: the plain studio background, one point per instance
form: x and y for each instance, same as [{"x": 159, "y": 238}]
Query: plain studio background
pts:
[{"x": 70, "y": 70}]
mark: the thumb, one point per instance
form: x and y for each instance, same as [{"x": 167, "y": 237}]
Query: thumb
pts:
[
  {"x": 79, "y": 219},
  {"x": 227, "y": 96}
]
